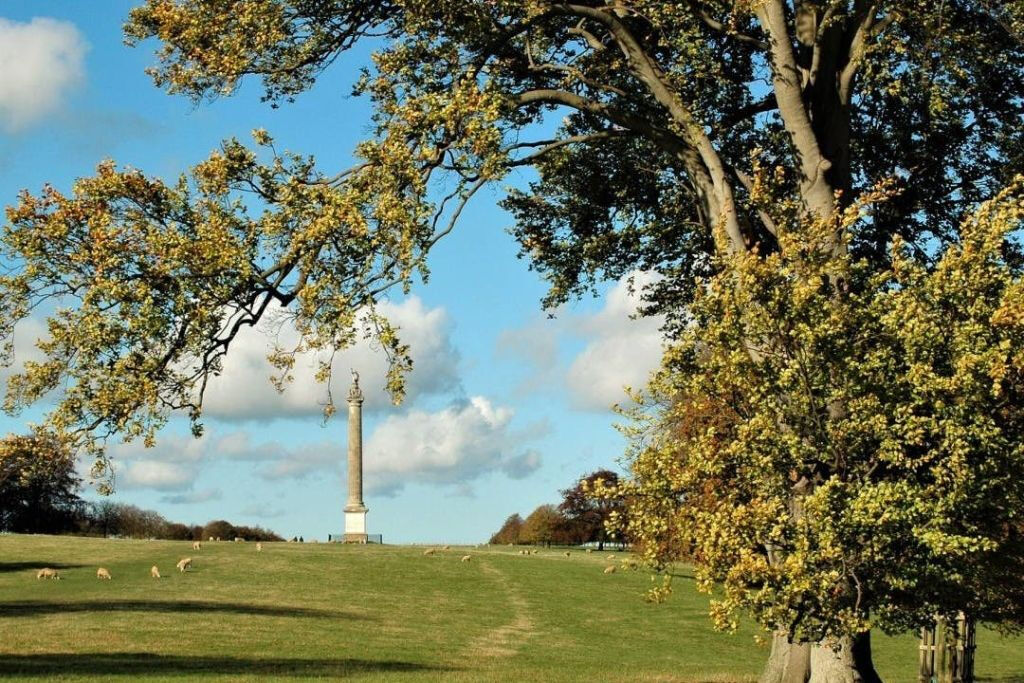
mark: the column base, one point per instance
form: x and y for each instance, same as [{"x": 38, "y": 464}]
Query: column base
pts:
[{"x": 355, "y": 524}]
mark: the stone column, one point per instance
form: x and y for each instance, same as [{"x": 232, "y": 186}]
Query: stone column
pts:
[{"x": 355, "y": 510}]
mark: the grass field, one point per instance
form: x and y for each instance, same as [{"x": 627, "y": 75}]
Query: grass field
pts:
[{"x": 371, "y": 613}]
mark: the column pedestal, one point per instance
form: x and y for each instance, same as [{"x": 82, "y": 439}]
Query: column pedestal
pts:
[{"x": 355, "y": 523}]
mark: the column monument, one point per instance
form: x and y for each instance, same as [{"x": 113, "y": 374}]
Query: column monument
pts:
[{"x": 355, "y": 510}]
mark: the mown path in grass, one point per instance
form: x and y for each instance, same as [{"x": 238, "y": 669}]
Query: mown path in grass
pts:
[{"x": 371, "y": 613}]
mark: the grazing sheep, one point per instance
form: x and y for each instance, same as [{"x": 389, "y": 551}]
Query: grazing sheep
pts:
[
  {"x": 428, "y": 551},
  {"x": 154, "y": 572},
  {"x": 211, "y": 539},
  {"x": 611, "y": 557},
  {"x": 447, "y": 547},
  {"x": 184, "y": 563},
  {"x": 196, "y": 545},
  {"x": 589, "y": 550},
  {"x": 239, "y": 539},
  {"x": 567, "y": 553},
  {"x": 610, "y": 569},
  {"x": 259, "y": 547},
  {"x": 466, "y": 558},
  {"x": 535, "y": 552},
  {"x": 103, "y": 573},
  {"x": 217, "y": 539},
  {"x": 47, "y": 573}
]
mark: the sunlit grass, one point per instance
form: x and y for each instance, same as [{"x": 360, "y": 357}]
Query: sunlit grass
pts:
[{"x": 371, "y": 613}]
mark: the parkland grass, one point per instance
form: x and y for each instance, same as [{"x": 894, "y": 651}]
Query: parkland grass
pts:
[{"x": 375, "y": 613}]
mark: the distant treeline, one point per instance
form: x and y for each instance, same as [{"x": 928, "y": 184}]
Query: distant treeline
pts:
[
  {"x": 579, "y": 518},
  {"x": 39, "y": 495}
]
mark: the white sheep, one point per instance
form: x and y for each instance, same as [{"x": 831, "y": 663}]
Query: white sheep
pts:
[
  {"x": 196, "y": 545},
  {"x": 447, "y": 547},
  {"x": 259, "y": 547},
  {"x": 239, "y": 539},
  {"x": 567, "y": 553},
  {"x": 610, "y": 569},
  {"x": 466, "y": 558},
  {"x": 47, "y": 573},
  {"x": 184, "y": 563},
  {"x": 428, "y": 551},
  {"x": 103, "y": 573},
  {"x": 589, "y": 550},
  {"x": 154, "y": 572}
]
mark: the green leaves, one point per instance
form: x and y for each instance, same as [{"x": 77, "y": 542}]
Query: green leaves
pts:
[{"x": 839, "y": 446}]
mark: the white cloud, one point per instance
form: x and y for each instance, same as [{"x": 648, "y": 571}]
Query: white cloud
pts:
[
  {"x": 172, "y": 465},
  {"x": 243, "y": 390},
  {"x": 452, "y": 446},
  {"x": 455, "y": 445},
  {"x": 155, "y": 474},
  {"x": 39, "y": 61},
  {"x": 619, "y": 350}
]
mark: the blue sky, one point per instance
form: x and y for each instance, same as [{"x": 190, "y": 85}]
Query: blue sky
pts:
[{"x": 506, "y": 406}]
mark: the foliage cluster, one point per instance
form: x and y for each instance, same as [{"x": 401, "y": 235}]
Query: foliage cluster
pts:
[{"x": 840, "y": 446}]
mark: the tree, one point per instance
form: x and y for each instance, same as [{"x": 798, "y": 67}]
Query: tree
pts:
[
  {"x": 509, "y": 531},
  {"x": 219, "y": 528},
  {"x": 544, "y": 525},
  {"x": 588, "y": 515},
  {"x": 38, "y": 485},
  {"x": 900, "y": 428},
  {"x": 691, "y": 132}
]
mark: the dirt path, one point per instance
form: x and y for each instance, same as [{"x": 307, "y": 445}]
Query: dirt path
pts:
[{"x": 505, "y": 640}]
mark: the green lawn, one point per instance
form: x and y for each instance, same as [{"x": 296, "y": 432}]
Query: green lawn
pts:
[{"x": 371, "y": 613}]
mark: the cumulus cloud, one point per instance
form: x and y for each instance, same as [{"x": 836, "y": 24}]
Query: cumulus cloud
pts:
[
  {"x": 453, "y": 446},
  {"x": 39, "y": 62},
  {"x": 620, "y": 352},
  {"x": 172, "y": 465},
  {"x": 243, "y": 390},
  {"x": 618, "y": 349}
]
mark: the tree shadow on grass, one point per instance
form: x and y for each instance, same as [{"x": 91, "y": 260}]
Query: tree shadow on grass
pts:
[
  {"x": 31, "y": 608},
  {"x": 147, "y": 664},
  {"x": 6, "y": 567}
]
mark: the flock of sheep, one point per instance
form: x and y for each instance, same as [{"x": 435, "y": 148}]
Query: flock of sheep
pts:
[
  {"x": 184, "y": 564},
  {"x": 610, "y": 569}
]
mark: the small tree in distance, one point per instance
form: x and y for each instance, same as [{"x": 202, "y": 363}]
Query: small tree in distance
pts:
[
  {"x": 587, "y": 515},
  {"x": 544, "y": 525},
  {"x": 509, "y": 531}
]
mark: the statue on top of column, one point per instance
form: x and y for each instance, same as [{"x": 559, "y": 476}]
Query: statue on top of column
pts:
[{"x": 354, "y": 392}]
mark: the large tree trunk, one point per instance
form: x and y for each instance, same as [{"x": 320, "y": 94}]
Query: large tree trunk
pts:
[
  {"x": 788, "y": 662},
  {"x": 820, "y": 663},
  {"x": 850, "y": 663}
]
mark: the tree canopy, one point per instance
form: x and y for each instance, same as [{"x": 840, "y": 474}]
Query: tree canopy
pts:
[
  {"x": 38, "y": 485},
  {"x": 588, "y": 516},
  {"x": 691, "y": 138}
]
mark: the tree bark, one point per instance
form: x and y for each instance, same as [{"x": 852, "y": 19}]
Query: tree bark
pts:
[
  {"x": 850, "y": 663},
  {"x": 788, "y": 662}
]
